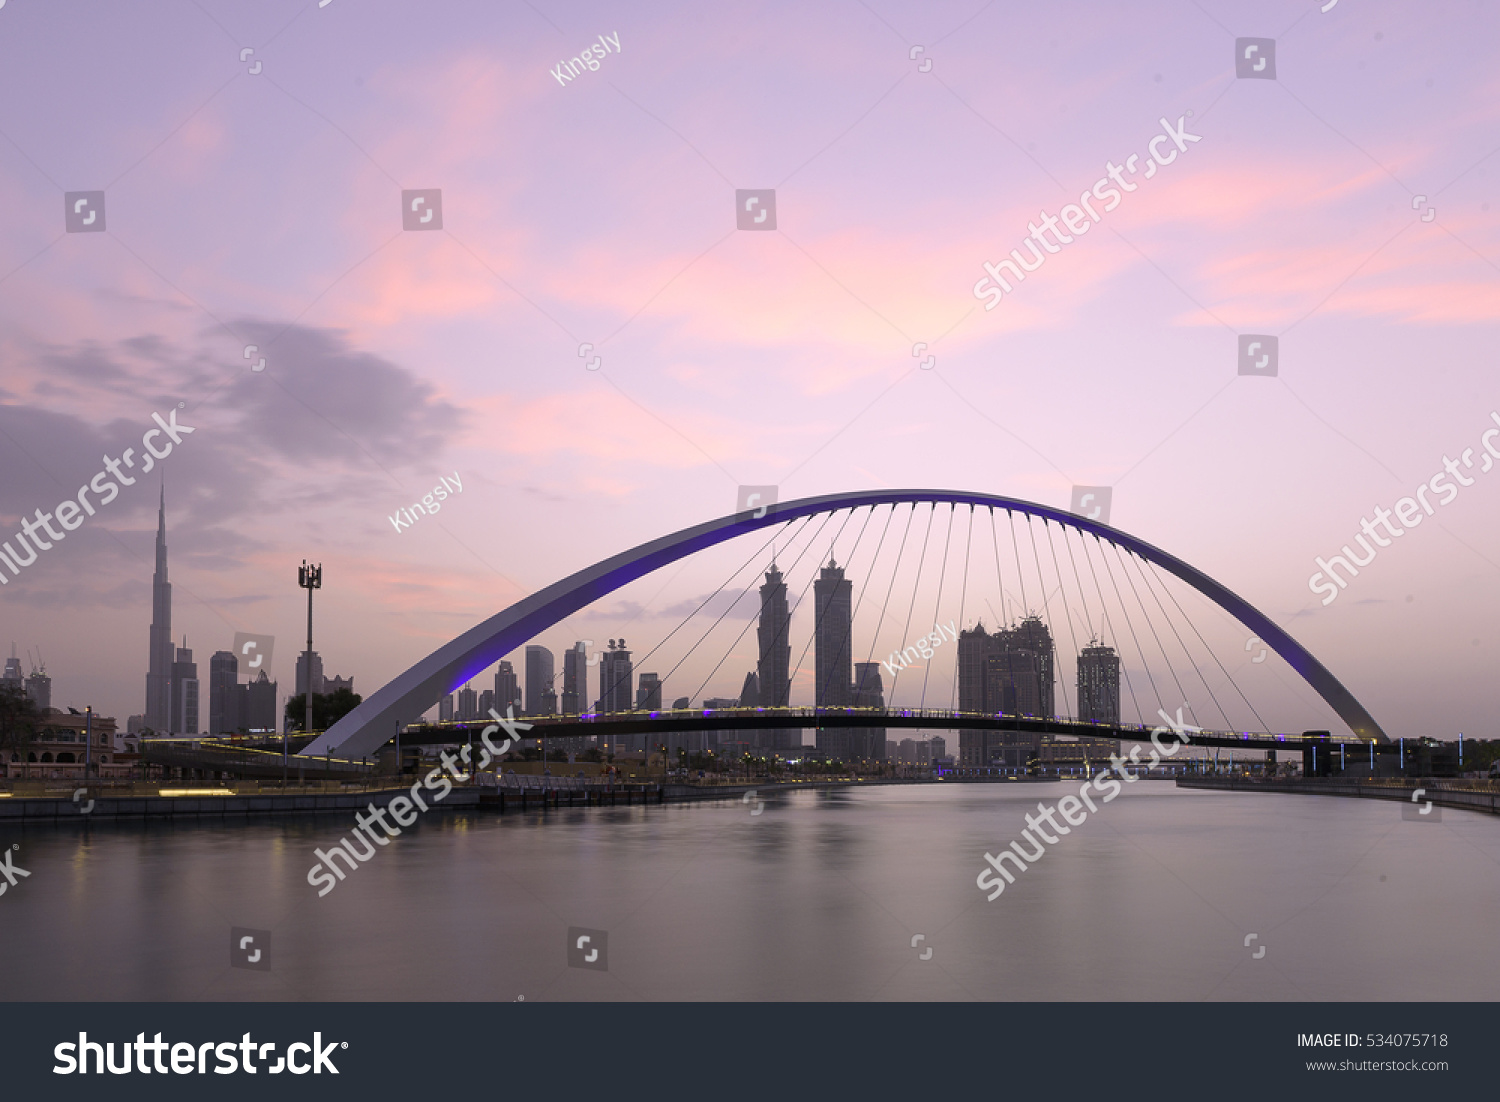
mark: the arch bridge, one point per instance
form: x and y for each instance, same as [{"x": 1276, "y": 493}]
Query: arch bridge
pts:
[{"x": 405, "y": 698}]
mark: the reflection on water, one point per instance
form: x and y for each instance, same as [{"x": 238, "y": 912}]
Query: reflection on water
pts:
[{"x": 823, "y": 896}]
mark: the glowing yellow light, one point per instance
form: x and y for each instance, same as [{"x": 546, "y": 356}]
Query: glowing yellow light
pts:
[{"x": 194, "y": 792}]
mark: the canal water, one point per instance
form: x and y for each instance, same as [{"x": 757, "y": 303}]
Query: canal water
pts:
[{"x": 832, "y": 895}]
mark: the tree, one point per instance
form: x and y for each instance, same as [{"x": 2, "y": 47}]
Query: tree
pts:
[
  {"x": 328, "y": 708},
  {"x": 19, "y": 717}
]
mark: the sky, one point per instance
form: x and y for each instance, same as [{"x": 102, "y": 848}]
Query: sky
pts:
[{"x": 253, "y": 159}]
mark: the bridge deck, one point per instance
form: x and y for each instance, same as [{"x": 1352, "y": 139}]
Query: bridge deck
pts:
[{"x": 669, "y": 721}]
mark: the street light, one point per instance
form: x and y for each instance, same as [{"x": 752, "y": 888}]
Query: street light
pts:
[{"x": 309, "y": 578}]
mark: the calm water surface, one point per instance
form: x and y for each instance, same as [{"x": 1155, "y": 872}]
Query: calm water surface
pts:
[{"x": 818, "y": 897}]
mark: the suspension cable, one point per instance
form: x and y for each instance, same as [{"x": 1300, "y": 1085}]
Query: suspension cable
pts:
[
  {"x": 1047, "y": 613},
  {"x": 963, "y": 595},
  {"x": 1227, "y": 676},
  {"x": 937, "y": 610},
  {"x": 1155, "y": 636},
  {"x": 755, "y": 555},
  {"x": 1072, "y": 635},
  {"x": 912, "y": 607},
  {"x": 1146, "y": 581},
  {"x": 875, "y": 639},
  {"x": 1141, "y": 654},
  {"x": 706, "y": 680}
]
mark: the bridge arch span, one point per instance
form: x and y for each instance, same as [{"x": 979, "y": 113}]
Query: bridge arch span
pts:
[{"x": 375, "y": 721}]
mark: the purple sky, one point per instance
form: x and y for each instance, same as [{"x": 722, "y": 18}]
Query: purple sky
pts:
[{"x": 265, "y": 209}]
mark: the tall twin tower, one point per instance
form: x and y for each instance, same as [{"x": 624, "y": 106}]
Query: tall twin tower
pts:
[{"x": 770, "y": 684}]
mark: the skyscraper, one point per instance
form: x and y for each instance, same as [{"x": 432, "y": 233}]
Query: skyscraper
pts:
[
  {"x": 575, "y": 692},
  {"x": 1013, "y": 681},
  {"x": 224, "y": 698},
  {"x": 1032, "y": 635},
  {"x": 615, "y": 676},
  {"x": 184, "y": 717},
  {"x": 1024, "y": 682},
  {"x": 648, "y": 693},
  {"x": 39, "y": 688},
  {"x": 868, "y": 691},
  {"x": 258, "y": 704},
  {"x": 539, "y": 674},
  {"x": 13, "y": 668},
  {"x": 162, "y": 654},
  {"x": 1099, "y": 684},
  {"x": 750, "y": 691},
  {"x": 468, "y": 704},
  {"x": 507, "y": 690},
  {"x": 317, "y": 678},
  {"x": 1009, "y": 671},
  {"x": 831, "y": 629},
  {"x": 773, "y": 672},
  {"x": 445, "y": 709}
]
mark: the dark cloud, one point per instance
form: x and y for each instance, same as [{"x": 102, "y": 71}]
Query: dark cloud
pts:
[{"x": 323, "y": 423}]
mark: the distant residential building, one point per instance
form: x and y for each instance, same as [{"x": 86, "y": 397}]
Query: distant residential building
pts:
[
  {"x": 1013, "y": 683},
  {"x": 1011, "y": 672},
  {"x": 334, "y": 684},
  {"x": 135, "y": 725},
  {"x": 892, "y": 748},
  {"x": 868, "y": 691},
  {"x": 1076, "y": 752},
  {"x": 445, "y": 709},
  {"x": 184, "y": 693},
  {"x": 39, "y": 689},
  {"x": 468, "y": 704},
  {"x": 486, "y": 703},
  {"x": 317, "y": 672},
  {"x": 648, "y": 693},
  {"x": 575, "y": 692},
  {"x": 681, "y": 703},
  {"x": 699, "y": 742},
  {"x": 62, "y": 748},
  {"x": 539, "y": 674},
  {"x": 1020, "y": 685},
  {"x": 224, "y": 698},
  {"x": 507, "y": 690},
  {"x": 921, "y": 752},
  {"x": 616, "y": 676},
  {"x": 258, "y": 704},
  {"x": 13, "y": 669},
  {"x": 913, "y": 752},
  {"x": 1099, "y": 684}
]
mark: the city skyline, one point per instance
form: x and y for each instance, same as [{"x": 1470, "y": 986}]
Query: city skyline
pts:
[{"x": 782, "y": 357}]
